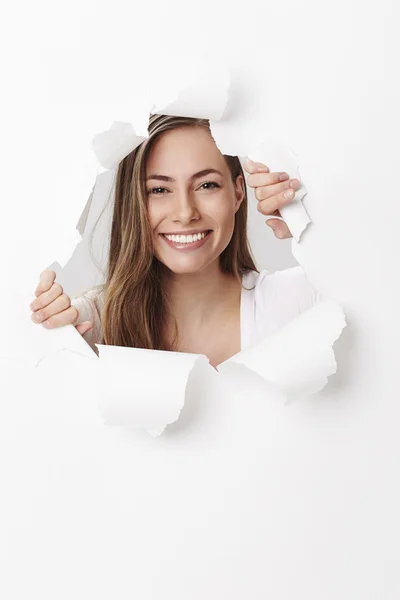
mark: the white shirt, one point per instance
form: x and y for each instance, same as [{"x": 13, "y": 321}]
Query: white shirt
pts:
[{"x": 274, "y": 300}]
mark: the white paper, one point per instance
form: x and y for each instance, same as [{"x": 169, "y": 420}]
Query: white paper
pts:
[
  {"x": 299, "y": 357},
  {"x": 281, "y": 158},
  {"x": 145, "y": 388},
  {"x": 199, "y": 100},
  {"x": 30, "y": 342},
  {"x": 118, "y": 141},
  {"x": 141, "y": 388}
]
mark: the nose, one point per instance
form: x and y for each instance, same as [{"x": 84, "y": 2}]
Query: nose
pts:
[{"x": 184, "y": 208}]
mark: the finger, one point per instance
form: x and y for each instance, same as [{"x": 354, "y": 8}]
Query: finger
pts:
[
  {"x": 84, "y": 327},
  {"x": 252, "y": 166},
  {"x": 266, "y": 191},
  {"x": 46, "y": 297},
  {"x": 268, "y": 206},
  {"x": 46, "y": 281},
  {"x": 50, "y": 312},
  {"x": 280, "y": 229},
  {"x": 262, "y": 179}
]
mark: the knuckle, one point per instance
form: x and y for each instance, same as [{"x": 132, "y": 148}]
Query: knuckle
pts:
[
  {"x": 54, "y": 320},
  {"x": 265, "y": 208},
  {"x": 49, "y": 322},
  {"x": 58, "y": 288},
  {"x": 260, "y": 193},
  {"x": 66, "y": 300},
  {"x": 74, "y": 314}
]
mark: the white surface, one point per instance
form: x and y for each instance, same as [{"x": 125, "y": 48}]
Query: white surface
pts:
[{"x": 249, "y": 496}]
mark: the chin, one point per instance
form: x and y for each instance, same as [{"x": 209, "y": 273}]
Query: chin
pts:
[
  {"x": 182, "y": 266},
  {"x": 183, "y": 269}
]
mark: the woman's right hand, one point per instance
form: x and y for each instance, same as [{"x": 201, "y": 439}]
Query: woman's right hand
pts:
[{"x": 52, "y": 307}]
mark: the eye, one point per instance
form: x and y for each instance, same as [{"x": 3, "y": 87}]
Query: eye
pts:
[
  {"x": 213, "y": 185},
  {"x": 153, "y": 191}
]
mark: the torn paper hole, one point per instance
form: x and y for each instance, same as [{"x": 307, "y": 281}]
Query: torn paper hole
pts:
[{"x": 127, "y": 392}]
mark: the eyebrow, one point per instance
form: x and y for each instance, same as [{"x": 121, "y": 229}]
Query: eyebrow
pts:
[{"x": 195, "y": 176}]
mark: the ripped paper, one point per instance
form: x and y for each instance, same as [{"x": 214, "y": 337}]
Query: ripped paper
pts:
[
  {"x": 142, "y": 388},
  {"x": 145, "y": 389},
  {"x": 299, "y": 357},
  {"x": 114, "y": 144},
  {"x": 281, "y": 158},
  {"x": 199, "y": 100}
]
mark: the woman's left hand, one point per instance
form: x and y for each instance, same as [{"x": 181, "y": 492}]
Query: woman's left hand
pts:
[{"x": 270, "y": 189}]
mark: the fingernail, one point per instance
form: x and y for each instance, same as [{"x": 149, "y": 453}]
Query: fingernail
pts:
[
  {"x": 289, "y": 194},
  {"x": 284, "y": 177},
  {"x": 36, "y": 317},
  {"x": 262, "y": 169}
]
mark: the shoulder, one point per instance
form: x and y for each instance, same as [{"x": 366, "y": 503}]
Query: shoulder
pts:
[{"x": 281, "y": 296}]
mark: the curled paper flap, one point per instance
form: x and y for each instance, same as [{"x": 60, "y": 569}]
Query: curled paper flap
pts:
[
  {"x": 280, "y": 158},
  {"x": 299, "y": 357},
  {"x": 142, "y": 388},
  {"x": 111, "y": 146},
  {"x": 187, "y": 99},
  {"x": 146, "y": 388}
]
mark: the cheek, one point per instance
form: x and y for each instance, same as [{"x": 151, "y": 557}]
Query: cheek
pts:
[
  {"x": 225, "y": 212},
  {"x": 155, "y": 213}
]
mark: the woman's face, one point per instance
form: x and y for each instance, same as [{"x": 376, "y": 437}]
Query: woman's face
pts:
[{"x": 190, "y": 191}]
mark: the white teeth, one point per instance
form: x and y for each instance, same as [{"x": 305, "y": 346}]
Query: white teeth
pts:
[{"x": 185, "y": 239}]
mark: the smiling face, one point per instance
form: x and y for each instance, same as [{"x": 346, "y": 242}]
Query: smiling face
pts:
[{"x": 190, "y": 191}]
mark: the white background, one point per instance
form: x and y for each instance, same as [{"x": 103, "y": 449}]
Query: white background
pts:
[{"x": 244, "y": 497}]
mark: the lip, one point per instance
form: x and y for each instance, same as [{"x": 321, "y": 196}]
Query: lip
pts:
[
  {"x": 185, "y": 232},
  {"x": 186, "y": 247}
]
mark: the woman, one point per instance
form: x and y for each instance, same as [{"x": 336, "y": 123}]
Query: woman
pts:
[{"x": 180, "y": 273}]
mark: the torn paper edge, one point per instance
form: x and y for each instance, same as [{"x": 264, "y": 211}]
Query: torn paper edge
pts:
[
  {"x": 281, "y": 158},
  {"x": 144, "y": 405},
  {"x": 113, "y": 145},
  {"x": 299, "y": 357}
]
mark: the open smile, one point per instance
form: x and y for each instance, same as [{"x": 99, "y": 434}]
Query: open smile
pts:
[{"x": 186, "y": 246}]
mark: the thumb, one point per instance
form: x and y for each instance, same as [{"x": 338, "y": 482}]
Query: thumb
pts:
[{"x": 84, "y": 327}]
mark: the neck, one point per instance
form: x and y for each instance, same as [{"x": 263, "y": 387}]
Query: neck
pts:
[{"x": 197, "y": 297}]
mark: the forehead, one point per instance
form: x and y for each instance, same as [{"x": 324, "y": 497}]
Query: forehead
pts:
[{"x": 183, "y": 151}]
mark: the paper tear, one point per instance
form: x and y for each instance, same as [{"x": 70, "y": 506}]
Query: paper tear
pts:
[
  {"x": 199, "y": 100},
  {"x": 146, "y": 388},
  {"x": 117, "y": 141},
  {"x": 141, "y": 388},
  {"x": 281, "y": 158},
  {"x": 299, "y": 357},
  {"x": 195, "y": 100}
]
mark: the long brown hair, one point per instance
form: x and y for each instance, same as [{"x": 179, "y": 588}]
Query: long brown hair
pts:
[{"x": 135, "y": 304}]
